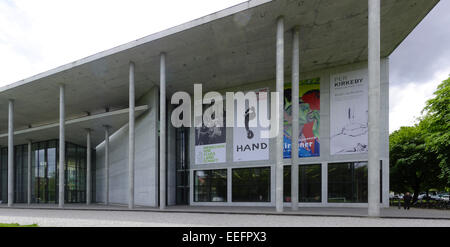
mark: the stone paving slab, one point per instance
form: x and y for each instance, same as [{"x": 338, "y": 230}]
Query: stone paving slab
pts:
[
  {"x": 126, "y": 218},
  {"x": 392, "y": 212}
]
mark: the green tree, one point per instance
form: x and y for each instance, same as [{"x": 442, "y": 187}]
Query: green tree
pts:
[
  {"x": 437, "y": 124},
  {"x": 412, "y": 168}
]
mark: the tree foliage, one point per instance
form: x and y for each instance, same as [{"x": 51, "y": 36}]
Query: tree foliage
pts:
[
  {"x": 437, "y": 123},
  {"x": 412, "y": 168},
  {"x": 419, "y": 155}
]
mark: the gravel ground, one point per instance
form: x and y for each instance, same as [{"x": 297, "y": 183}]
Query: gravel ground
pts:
[{"x": 64, "y": 218}]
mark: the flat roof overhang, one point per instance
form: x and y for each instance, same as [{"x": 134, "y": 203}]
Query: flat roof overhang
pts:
[
  {"x": 76, "y": 128},
  {"x": 221, "y": 50}
]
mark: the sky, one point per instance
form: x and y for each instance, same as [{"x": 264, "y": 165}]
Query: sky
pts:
[
  {"x": 36, "y": 36},
  {"x": 418, "y": 66}
]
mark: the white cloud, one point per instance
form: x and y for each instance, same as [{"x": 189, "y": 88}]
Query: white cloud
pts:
[
  {"x": 407, "y": 100},
  {"x": 36, "y": 36},
  {"x": 418, "y": 65}
]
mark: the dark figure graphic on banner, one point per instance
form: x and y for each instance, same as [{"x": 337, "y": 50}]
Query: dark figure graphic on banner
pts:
[
  {"x": 248, "y": 145},
  {"x": 249, "y": 115},
  {"x": 210, "y": 143},
  {"x": 210, "y": 135}
]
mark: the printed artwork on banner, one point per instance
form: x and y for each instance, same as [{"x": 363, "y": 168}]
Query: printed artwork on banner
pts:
[
  {"x": 349, "y": 112},
  {"x": 247, "y": 142},
  {"x": 309, "y": 119},
  {"x": 210, "y": 144}
]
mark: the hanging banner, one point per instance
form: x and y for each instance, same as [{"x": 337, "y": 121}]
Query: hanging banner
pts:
[
  {"x": 309, "y": 119},
  {"x": 247, "y": 142},
  {"x": 349, "y": 112},
  {"x": 210, "y": 145}
]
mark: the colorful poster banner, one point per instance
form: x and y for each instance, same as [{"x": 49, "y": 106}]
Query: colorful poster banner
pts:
[
  {"x": 309, "y": 119},
  {"x": 247, "y": 142},
  {"x": 349, "y": 112}
]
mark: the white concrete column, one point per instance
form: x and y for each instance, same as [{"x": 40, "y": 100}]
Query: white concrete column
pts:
[
  {"x": 279, "y": 138},
  {"x": 162, "y": 132},
  {"x": 131, "y": 139},
  {"x": 295, "y": 124},
  {"x": 374, "y": 109},
  {"x": 29, "y": 173},
  {"x": 62, "y": 146},
  {"x": 10, "y": 152},
  {"x": 106, "y": 164},
  {"x": 88, "y": 167}
]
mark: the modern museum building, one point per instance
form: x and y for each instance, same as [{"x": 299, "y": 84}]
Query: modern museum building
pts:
[{"x": 99, "y": 130}]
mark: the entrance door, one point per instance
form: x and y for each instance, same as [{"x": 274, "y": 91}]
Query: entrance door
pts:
[{"x": 182, "y": 166}]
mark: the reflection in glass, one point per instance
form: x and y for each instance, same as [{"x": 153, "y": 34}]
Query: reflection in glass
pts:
[
  {"x": 20, "y": 173},
  {"x": 51, "y": 172},
  {"x": 347, "y": 182},
  {"x": 4, "y": 175},
  {"x": 287, "y": 183},
  {"x": 182, "y": 166},
  {"x": 44, "y": 177},
  {"x": 251, "y": 184},
  {"x": 309, "y": 183},
  {"x": 210, "y": 186}
]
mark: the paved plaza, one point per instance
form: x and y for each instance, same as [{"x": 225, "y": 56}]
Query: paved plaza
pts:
[{"x": 99, "y": 215}]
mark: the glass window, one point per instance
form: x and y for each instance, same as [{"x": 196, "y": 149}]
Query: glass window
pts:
[
  {"x": 182, "y": 166},
  {"x": 210, "y": 186},
  {"x": 347, "y": 182},
  {"x": 20, "y": 173},
  {"x": 287, "y": 183},
  {"x": 251, "y": 184},
  {"x": 4, "y": 175},
  {"x": 41, "y": 174},
  {"x": 81, "y": 174},
  {"x": 70, "y": 173},
  {"x": 51, "y": 172},
  {"x": 309, "y": 183},
  {"x": 45, "y": 172},
  {"x": 34, "y": 173}
]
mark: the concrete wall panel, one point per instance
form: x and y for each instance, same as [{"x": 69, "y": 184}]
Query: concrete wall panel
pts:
[{"x": 146, "y": 167}]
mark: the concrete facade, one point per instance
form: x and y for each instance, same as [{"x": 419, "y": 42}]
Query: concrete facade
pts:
[
  {"x": 146, "y": 168},
  {"x": 147, "y": 151},
  {"x": 241, "y": 48},
  {"x": 325, "y": 156}
]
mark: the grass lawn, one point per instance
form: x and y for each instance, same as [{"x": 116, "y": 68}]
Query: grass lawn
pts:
[{"x": 17, "y": 225}]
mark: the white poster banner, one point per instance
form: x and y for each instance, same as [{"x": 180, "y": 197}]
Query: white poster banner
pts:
[
  {"x": 247, "y": 142},
  {"x": 349, "y": 112}
]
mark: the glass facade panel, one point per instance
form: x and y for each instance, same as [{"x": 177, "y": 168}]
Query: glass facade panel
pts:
[
  {"x": 347, "y": 182},
  {"x": 287, "y": 183},
  {"x": 210, "y": 186},
  {"x": 52, "y": 187},
  {"x": 182, "y": 166},
  {"x": 41, "y": 175},
  {"x": 251, "y": 184},
  {"x": 20, "y": 173},
  {"x": 44, "y": 177},
  {"x": 309, "y": 183},
  {"x": 4, "y": 175},
  {"x": 34, "y": 173}
]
